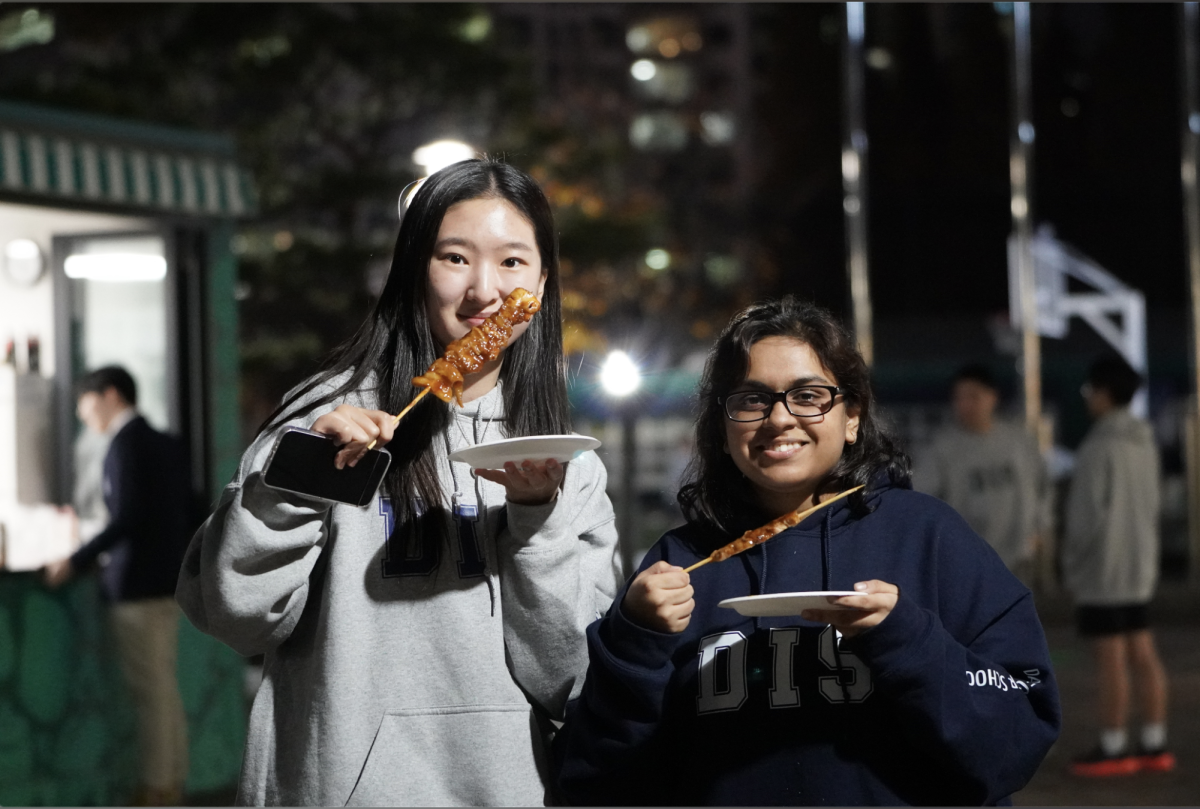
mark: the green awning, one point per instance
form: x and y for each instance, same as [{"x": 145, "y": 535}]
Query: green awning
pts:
[{"x": 48, "y": 155}]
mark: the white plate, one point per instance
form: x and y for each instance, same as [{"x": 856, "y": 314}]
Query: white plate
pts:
[
  {"x": 494, "y": 454},
  {"x": 773, "y": 605}
]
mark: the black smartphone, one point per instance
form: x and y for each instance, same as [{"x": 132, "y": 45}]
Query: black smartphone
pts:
[{"x": 302, "y": 462}]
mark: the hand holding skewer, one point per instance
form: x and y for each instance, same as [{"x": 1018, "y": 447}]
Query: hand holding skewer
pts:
[
  {"x": 351, "y": 428},
  {"x": 758, "y": 536},
  {"x": 400, "y": 415},
  {"x": 661, "y": 597}
]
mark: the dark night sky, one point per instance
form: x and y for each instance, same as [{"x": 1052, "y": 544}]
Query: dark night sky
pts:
[{"x": 1106, "y": 176}]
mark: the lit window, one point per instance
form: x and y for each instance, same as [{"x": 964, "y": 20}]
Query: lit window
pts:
[
  {"x": 717, "y": 128},
  {"x": 638, "y": 39},
  {"x": 658, "y": 259},
  {"x": 878, "y": 58},
  {"x": 671, "y": 82},
  {"x": 28, "y": 27},
  {"x": 661, "y": 131},
  {"x": 476, "y": 28},
  {"x": 664, "y": 36},
  {"x": 722, "y": 271},
  {"x": 643, "y": 70}
]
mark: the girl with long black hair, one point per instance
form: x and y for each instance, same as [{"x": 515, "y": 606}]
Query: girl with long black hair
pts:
[
  {"x": 416, "y": 649},
  {"x": 930, "y": 684}
]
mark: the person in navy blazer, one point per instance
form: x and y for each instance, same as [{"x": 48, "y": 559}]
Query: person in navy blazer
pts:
[{"x": 147, "y": 492}]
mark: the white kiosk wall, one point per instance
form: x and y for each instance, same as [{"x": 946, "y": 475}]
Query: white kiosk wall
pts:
[
  {"x": 28, "y": 437},
  {"x": 27, "y": 309},
  {"x": 119, "y": 313}
]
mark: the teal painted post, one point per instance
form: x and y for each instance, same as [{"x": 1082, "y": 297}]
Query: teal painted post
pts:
[{"x": 210, "y": 673}]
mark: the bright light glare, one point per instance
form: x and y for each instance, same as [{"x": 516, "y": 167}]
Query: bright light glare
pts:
[
  {"x": 850, "y": 165},
  {"x": 116, "y": 267},
  {"x": 21, "y": 249},
  {"x": 643, "y": 70},
  {"x": 619, "y": 376},
  {"x": 434, "y": 157},
  {"x": 658, "y": 259}
]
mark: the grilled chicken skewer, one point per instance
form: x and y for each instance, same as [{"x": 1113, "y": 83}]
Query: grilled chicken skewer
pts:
[
  {"x": 758, "y": 536},
  {"x": 468, "y": 354}
]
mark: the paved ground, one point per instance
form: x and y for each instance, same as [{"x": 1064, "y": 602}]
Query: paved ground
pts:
[{"x": 1177, "y": 617}]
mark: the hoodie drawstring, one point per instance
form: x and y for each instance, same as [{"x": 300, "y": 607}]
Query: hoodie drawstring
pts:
[
  {"x": 487, "y": 564},
  {"x": 480, "y": 506},
  {"x": 762, "y": 586},
  {"x": 827, "y": 569},
  {"x": 826, "y": 580}
]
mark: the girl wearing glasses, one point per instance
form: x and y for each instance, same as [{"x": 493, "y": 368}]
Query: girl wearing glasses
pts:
[{"x": 931, "y": 685}]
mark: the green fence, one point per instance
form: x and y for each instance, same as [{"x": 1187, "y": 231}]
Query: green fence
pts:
[{"x": 67, "y": 728}]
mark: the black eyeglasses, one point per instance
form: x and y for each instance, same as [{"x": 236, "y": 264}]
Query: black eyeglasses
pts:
[{"x": 805, "y": 402}]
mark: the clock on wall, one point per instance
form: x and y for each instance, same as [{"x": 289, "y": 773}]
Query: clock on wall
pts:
[{"x": 23, "y": 262}]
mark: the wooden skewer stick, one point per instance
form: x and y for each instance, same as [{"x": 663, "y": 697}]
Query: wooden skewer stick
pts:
[
  {"x": 789, "y": 520},
  {"x": 400, "y": 415}
]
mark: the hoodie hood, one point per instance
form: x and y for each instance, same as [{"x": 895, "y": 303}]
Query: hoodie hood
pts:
[
  {"x": 479, "y": 421},
  {"x": 1121, "y": 424}
]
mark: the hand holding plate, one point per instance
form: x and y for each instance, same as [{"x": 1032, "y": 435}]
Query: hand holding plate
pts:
[
  {"x": 530, "y": 483},
  {"x": 876, "y": 601}
]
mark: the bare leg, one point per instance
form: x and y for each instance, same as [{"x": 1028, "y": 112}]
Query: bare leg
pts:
[
  {"x": 1112, "y": 679},
  {"x": 1150, "y": 677}
]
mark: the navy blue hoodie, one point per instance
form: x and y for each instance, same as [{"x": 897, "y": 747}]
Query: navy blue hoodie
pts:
[{"x": 950, "y": 700}]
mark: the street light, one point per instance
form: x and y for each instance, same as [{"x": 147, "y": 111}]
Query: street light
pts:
[
  {"x": 620, "y": 377},
  {"x": 441, "y": 153},
  {"x": 433, "y": 157}
]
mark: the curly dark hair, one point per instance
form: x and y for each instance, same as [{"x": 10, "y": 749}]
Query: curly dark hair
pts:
[{"x": 715, "y": 495}]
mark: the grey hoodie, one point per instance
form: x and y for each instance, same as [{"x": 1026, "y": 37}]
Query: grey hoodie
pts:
[
  {"x": 1110, "y": 547},
  {"x": 995, "y": 480},
  {"x": 405, "y": 676}
]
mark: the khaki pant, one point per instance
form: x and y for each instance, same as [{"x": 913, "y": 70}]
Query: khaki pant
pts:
[{"x": 147, "y": 636}]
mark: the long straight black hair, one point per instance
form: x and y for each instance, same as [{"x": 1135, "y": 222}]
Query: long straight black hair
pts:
[
  {"x": 396, "y": 344},
  {"x": 716, "y": 495}
]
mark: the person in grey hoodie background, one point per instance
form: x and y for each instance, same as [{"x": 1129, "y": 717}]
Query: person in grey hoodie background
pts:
[
  {"x": 1110, "y": 566},
  {"x": 417, "y": 650},
  {"x": 989, "y": 471}
]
